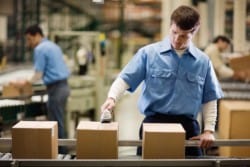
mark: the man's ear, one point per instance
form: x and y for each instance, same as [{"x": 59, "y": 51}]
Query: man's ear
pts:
[{"x": 196, "y": 29}]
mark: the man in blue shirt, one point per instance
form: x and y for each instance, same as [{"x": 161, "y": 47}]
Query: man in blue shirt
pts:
[
  {"x": 178, "y": 81},
  {"x": 50, "y": 67}
]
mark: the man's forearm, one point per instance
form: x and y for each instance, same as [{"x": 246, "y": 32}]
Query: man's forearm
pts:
[
  {"x": 117, "y": 89},
  {"x": 36, "y": 77},
  {"x": 210, "y": 115}
]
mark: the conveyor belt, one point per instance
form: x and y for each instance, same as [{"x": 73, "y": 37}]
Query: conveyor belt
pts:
[
  {"x": 236, "y": 86},
  {"x": 237, "y": 95},
  {"x": 110, "y": 163},
  {"x": 233, "y": 162},
  {"x": 236, "y": 90},
  {"x": 6, "y": 142},
  {"x": 68, "y": 160}
]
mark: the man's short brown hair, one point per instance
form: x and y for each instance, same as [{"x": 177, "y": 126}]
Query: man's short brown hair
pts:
[
  {"x": 185, "y": 17},
  {"x": 33, "y": 30}
]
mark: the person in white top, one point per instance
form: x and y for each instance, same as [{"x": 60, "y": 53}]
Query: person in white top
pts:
[{"x": 214, "y": 51}]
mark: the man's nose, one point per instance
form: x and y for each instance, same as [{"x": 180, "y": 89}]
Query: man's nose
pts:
[{"x": 177, "y": 38}]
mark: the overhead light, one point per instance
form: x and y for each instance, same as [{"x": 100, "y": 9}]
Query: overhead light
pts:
[{"x": 98, "y": 1}]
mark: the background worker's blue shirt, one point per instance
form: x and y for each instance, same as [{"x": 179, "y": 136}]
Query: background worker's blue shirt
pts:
[
  {"x": 171, "y": 84},
  {"x": 48, "y": 59}
]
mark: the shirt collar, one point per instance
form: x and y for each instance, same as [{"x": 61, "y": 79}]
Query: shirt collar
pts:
[
  {"x": 41, "y": 41},
  {"x": 44, "y": 39},
  {"x": 165, "y": 46}
]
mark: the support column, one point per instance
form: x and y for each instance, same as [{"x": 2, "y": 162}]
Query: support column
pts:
[
  {"x": 167, "y": 8},
  {"x": 203, "y": 37},
  {"x": 219, "y": 17},
  {"x": 3, "y": 29},
  {"x": 239, "y": 26}
]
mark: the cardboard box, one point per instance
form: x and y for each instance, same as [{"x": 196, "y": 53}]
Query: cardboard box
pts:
[
  {"x": 234, "y": 123},
  {"x": 240, "y": 63},
  {"x": 97, "y": 140},
  {"x": 163, "y": 141},
  {"x": 26, "y": 89},
  {"x": 17, "y": 88},
  {"x": 10, "y": 91},
  {"x": 35, "y": 140}
]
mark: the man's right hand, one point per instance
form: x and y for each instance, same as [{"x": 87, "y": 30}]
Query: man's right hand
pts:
[
  {"x": 109, "y": 104},
  {"x": 242, "y": 76}
]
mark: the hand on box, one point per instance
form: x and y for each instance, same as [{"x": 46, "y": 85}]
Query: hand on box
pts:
[
  {"x": 19, "y": 83},
  {"x": 109, "y": 104},
  {"x": 17, "y": 88},
  {"x": 106, "y": 116},
  {"x": 242, "y": 76},
  {"x": 106, "y": 110},
  {"x": 206, "y": 139}
]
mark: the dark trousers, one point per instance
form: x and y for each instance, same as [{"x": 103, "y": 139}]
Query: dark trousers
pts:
[
  {"x": 191, "y": 127},
  {"x": 58, "y": 93}
]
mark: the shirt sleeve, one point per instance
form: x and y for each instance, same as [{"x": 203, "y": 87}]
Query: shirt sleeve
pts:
[
  {"x": 117, "y": 89},
  {"x": 134, "y": 72},
  {"x": 209, "y": 111},
  {"x": 39, "y": 60},
  {"x": 212, "y": 89}
]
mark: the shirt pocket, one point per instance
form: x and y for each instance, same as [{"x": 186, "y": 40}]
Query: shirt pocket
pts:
[
  {"x": 194, "y": 85},
  {"x": 161, "y": 82}
]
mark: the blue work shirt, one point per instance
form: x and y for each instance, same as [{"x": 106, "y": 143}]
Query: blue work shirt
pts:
[
  {"x": 171, "y": 84},
  {"x": 48, "y": 59}
]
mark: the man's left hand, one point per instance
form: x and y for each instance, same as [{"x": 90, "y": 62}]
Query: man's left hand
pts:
[{"x": 206, "y": 139}]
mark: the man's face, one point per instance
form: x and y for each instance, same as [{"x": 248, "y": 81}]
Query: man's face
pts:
[
  {"x": 222, "y": 45},
  {"x": 32, "y": 40},
  {"x": 180, "y": 38}
]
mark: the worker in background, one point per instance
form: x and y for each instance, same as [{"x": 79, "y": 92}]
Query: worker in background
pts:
[
  {"x": 50, "y": 67},
  {"x": 214, "y": 51},
  {"x": 178, "y": 81}
]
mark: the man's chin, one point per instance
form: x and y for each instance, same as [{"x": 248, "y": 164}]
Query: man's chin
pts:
[{"x": 178, "y": 47}]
